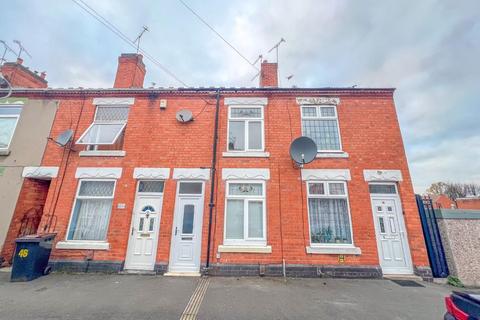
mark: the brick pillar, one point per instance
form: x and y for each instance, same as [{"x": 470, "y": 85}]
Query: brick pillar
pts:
[{"x": 29, "y": 209}]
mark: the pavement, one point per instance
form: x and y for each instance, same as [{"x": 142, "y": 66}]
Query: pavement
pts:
[{"x": 100, "y": 296}]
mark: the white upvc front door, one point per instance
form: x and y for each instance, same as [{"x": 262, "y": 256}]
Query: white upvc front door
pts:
[
  {"x": 392, "y": 242},
  {"x": 186, "y": 243},
  {"x": 143, "y": 241}
]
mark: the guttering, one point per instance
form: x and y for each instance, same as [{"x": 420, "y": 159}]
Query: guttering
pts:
[
  {"x": 60, "y": 92},
  {"x": 213, "y": 170}
]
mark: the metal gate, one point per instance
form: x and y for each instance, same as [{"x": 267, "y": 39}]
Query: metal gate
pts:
[{"x": 433, "y": 241}]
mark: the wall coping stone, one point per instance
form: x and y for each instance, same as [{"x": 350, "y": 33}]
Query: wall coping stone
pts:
[{"x": 457, "y": 214}]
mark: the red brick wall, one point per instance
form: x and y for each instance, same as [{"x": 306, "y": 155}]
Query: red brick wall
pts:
[
  {"x": 19, "y": 76},
  {"x": 468, "y": 203},
  {"x": 153, "y": 138},
  {"x": 444, "y": 202},
  {"x": 130, "y": 72},
  {"x": 269, "y": 74},
  {"x": 31, "y": 201}
]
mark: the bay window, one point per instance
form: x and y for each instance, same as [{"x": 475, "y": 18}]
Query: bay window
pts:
[{"x": 245, "y": 213}]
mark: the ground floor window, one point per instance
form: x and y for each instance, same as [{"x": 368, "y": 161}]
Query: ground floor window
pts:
[
  {"x": 329, "y": 215},
  {"x": 245, "y": 213},
  {"x": 91, "y": 211}
]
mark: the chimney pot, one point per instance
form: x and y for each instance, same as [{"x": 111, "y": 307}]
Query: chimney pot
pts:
[
  {"x": 19, "y": 60},
  {"x": 43, "y": 75}
]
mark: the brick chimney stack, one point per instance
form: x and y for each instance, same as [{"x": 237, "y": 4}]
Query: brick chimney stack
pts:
[
  {"x": 21, "y": 77},
  {"x": 269, "y": 74},
  {"x": 130, "y": 72}
]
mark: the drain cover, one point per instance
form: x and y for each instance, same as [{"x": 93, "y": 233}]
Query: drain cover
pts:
[{"x": 407, "y": 283}]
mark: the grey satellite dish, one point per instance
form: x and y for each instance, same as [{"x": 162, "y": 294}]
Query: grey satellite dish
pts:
[
  {"x": 64, "y": 137},
  {"x": 184, "y": 115},
  {"x": 303, "y": 150}
]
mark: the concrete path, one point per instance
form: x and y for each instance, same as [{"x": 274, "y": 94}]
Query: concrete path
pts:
[{"x": 98, "y": 296}]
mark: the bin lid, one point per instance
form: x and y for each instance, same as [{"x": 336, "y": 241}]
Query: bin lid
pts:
[{"x": 37, "y": 237}]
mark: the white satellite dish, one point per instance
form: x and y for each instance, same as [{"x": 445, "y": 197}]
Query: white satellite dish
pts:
[
  {"x": 64, "y": 138},
  {"x": 184, "y": 115}
]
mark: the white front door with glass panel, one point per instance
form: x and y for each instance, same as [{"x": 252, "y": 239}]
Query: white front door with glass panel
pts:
[
  {"x": 392, "y": 243},
  {"x": 187, "y": 228},
  {"x": 142, "y": 245}
]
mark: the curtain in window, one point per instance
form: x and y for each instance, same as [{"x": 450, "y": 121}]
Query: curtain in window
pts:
[
  {"x": 255, "y": 219},
  {"x": 329, "y": 221},
  {"x": 7, "y": 125},
  {"x": 235, "y": 219},
  {"x": 90, "y": 219}
]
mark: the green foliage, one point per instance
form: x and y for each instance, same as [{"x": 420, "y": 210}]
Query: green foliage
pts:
[{"x": 454, "y": 281}]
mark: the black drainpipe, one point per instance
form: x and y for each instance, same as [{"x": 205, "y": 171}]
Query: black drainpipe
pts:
[{"x": 213, "y": 169}]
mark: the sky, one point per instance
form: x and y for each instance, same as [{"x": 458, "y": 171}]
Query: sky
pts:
[{"x": 428, "y": 50}]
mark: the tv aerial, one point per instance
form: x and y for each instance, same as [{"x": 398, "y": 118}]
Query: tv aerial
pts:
[
  {"x": 21, "y": 49},
  {"x": 303, "y": 150},
  {"x": 184, "y": 115},
  {"x": 64, "y": 138},
  {"x": 139, "y": 37},
  {"x": 6, "y": 49}
]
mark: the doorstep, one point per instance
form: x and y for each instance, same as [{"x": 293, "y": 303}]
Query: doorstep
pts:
[
  {"x": 402, "y": 277},
  {"x": 6, "y": 269},
  {"x": 141, "y": 272},
  {"x": 182, "y": 274}
]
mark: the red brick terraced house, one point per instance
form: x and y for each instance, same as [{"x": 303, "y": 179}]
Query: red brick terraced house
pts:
[{"x": 139, "y": 188}]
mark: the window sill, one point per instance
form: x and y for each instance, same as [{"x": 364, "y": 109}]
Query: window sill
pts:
[
  {"x": 247, "y": 154},
  {"x": 332, "y": 154},
  {"x": 83, "y": 245},
  {"x": 4, "y": 152},
  {"x": 245, "y": 249},
  {"x": 102, "y": 153},
  {"x": 334, "y": 250}
]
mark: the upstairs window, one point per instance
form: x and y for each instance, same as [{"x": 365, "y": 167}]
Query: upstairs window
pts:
[
  {"x": 108, "y": 125},
  {"x": 245, "y": 129},
  {"x": 8, "y": 121},
  {"x": 320, "y": 123}
]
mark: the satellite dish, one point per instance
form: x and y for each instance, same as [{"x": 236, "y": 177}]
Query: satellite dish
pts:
[
  {"x": 64, "y": 137},
  {"x": 184, "y": 115},
  {"x": 303, "y": 150}
]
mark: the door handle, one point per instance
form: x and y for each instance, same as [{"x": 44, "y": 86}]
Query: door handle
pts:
[
  {"x": 176, "y": 229},
  {"x": 132, "y": 232}
]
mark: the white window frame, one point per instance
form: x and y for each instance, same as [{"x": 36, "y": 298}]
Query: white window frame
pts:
[
  {"x": 17, "y": 116},
  {"x": 247, "y": 198},
  {"x": 327, "y": 195},
  {"x": 320, "y": 117},
  {"x": 246, "y": 126},
  {"x": 96, "y": 122},
  {"x": 383, "y": 183},
  {"x": 143, "y": 193},
  {"x": 77, "y": 196}
]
